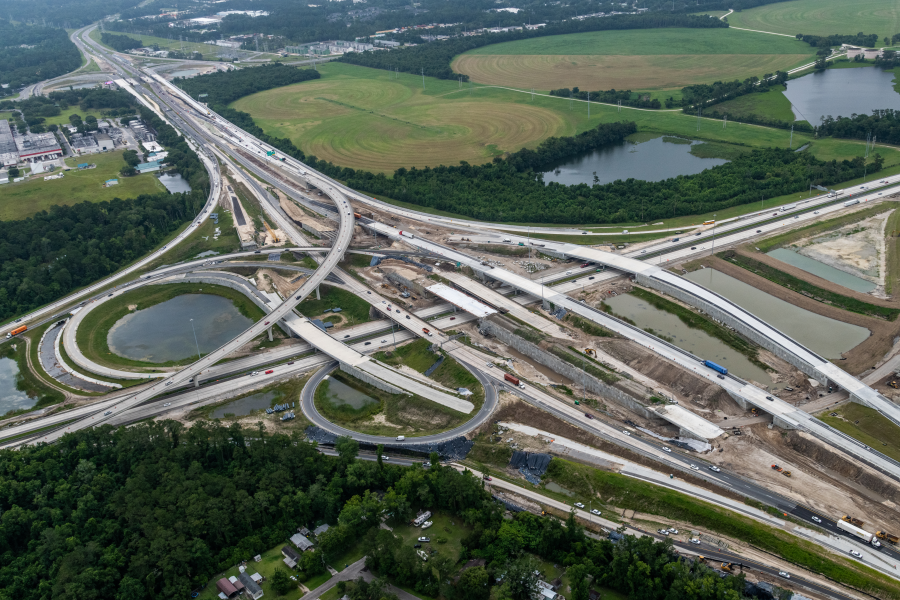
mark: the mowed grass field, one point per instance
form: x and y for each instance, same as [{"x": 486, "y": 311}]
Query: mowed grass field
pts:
[
  {"x": 772, "y": 104},
  {"x": 369, "y": 119},
  {"x": 25, "y": 198},
  {"x": 823, "y": 17},
  {"x": 643, "y": 59}
]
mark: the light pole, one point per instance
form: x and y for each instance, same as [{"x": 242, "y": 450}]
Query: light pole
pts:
[
  {"x": 195, "y": 339},
  {"x": 713, "y": 251}
]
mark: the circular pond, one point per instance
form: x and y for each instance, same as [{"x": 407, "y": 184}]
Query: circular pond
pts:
[{"x": 162, "y": 333}]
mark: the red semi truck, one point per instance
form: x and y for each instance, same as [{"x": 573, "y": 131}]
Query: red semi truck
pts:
[{"x": 513, "y": 380}]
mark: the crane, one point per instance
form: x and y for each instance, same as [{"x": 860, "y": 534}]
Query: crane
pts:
[{"x": 272, "y": 233}]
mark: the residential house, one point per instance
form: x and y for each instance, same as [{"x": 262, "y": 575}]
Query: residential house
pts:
[
  {"x": 291, "y": 558},
  {"x": 224, "y": 586},
  {"x": 251, "y": 587},
  {"x": 301, "y": 541}
]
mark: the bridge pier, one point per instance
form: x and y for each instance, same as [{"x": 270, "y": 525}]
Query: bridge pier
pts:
[
  {"x": 197, "y": 380},
  {"x": 779, "y": 422},
  {"x": 318, "y": 297},
  {"x": 269, "y": 331}
]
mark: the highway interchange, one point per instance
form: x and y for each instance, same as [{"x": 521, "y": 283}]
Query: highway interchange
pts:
[{"x": 196, "y": 122}]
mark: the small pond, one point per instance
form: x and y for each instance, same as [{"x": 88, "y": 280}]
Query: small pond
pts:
[
  {"x": 841, "y": 92},
  {"x": 245, "y": 406},
  {"x": 339, "y": 393},
  {"x": 694, "y": 341},
  {"x": 653, "y": 160},
  {"x": 820, "y": 269},
  {"x": 206, "y": 253},
  {"x": 825, "y": 336},
  {"x": 555, "y": 487},
  {"x": 174, "y": 183},
  {"x": 185, "y": 73},
  {"x": 163, "y": 332},
  {"x": 11, "y": 397}
]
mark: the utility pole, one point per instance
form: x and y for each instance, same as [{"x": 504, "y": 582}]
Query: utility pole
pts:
[
  {"x": 713, "y": 251},
  {"x": 589, "y": 106},
  {"x": 423, "y": 79},
  {"x": 698, "y": 118},
  {"x": 725, "y": 122},
  {"x": 791, "y": 145}
]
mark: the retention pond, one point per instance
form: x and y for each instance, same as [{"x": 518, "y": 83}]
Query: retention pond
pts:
[
  {"x": 339, "y": 393},
  {"x": 11, "y": 397},
  {"x": 820, "y": 269},
  {"x": 244, "y": 406},
  {"x": 652, "y": 160},
  {"x": 166, "y": 331},
  {"x": 825, "y": 336},
  {"x": 695, "y": 341},
  {"x": 842, "y": 92}
]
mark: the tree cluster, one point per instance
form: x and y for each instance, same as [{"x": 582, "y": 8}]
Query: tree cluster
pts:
[
  {"x": 224, "y": 87},
  {"x": 701, "y": 95},
  {"x": 714, "y": 113},
  {"x": 826, "y": 41},
  {"x": 882, "y": 124},
  {"x": 889, "y": 59},
  {"x": 36, "y": 109},
  {"x": 121, "y": 43},
  {"x": 626, "y": 97},
  {"x": 29, "y": 54},
  {"x": 55, "y": 252},
  {"x": 434, "y": 58},
  {"x": 184, "y": 160}
]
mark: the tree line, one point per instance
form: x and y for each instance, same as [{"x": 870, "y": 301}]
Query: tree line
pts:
[
  {"x": 827, "y": 41},
  {"x": 626, "y": 97},
  {"x": 30, "y": 53},
  {"x": 224, "y": 87},
  {"x": 53, "y": 253},
  {"x": 881, "y": 124},
  {"x": 702, "y": 95},
  {"x": 434, "y": 58},
  {"x": 156, "y": 510},
  {"x": 120, "y": 42}
]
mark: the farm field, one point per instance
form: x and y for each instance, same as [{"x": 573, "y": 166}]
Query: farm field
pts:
[
  {"x": 23, "y": 199},
  {"x": 371, "y": 119},
  {"x": 822, "y": 17},
  {"x": 634, "y": 59}
]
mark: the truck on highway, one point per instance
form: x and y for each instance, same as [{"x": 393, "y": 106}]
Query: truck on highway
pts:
[
  {"x": 856, "y": 532},
  {"x": 836, "y": 194},
  {"x": 788, "y": 207},
  {"x": 715, "y": 367},
  {"x": 851, "y": 202},
  {"x": 882, "y": 535},
  {"x": 513, "y": 380},
  {"x": 16, "y": 331}
]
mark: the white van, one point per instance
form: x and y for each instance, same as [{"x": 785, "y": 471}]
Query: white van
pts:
[{"x": 400, "y": 438}]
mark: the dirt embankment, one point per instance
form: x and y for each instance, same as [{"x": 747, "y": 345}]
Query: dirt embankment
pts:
[{"x": 860, "y": 358}]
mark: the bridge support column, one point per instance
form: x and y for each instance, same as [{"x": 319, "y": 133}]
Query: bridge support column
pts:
[
  {"x": 318, "y": 297},
  {"x": 197, "y": 380},
  {"x": 269, "y": 331},
  {"x": 779, "y": 422},
  {"x": 741, "y": 401}
]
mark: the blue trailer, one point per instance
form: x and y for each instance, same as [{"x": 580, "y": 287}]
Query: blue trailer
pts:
[{"x": 716, "y": 367}]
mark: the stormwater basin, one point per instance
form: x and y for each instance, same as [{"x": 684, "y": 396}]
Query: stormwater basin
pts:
[
  {"x": 12, "y": 398},
  {"x": 174, "y": 183},
  {"x": 185, "y": 73},
  {"x": 163, "y": 332},
  {"x": 695, "y": 341},
  {"x": 841, "y": 93},
  {"x": 653, "y": 160},
  {"x": 555, "y": 487},
  {"x": 820, "y": 269},
  {"x": 340, "y": 393},
  {"x": 245, "y": 406},
  {"x": 827, "y": 337}
]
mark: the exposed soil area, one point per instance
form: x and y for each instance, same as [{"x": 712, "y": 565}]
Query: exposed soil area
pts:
[
  {"x": 858, "y": 359},
  {"x": 857, "y": 248}
]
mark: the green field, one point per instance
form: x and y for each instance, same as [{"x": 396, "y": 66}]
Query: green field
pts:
[
  {"x": 867, "y": 426},
  {"x": 822, "y": 17},
  {"x": 23, "y": 199},
  {"x": 643, "y": 59},
  {"x": 370, "y": 119},
  {"x": 773, "y": 104}
]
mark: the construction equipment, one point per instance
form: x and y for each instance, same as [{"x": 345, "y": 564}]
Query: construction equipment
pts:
[
  {"x": 777, "y": 468},
  {"x": 271, "y": 233},
  {"x": 754, "y": 411},
  {"x": 881, "y": 535},
  {"x": 786, "y": 473},
  {"x": 853, "y": 521},
  {"x": 727, "y": 567},
  {"x": 590, "y": 352},
  {"x": 894, "y": 384}
]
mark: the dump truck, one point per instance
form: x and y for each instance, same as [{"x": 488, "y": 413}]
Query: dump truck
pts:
[
  {"x": 16, "y": 331},
  {"x": 853, "y": 521},
  {"x": 882, "y": 535}
]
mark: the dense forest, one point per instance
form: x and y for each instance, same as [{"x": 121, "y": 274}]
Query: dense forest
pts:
[
  {"x": 884, "y": 125},
  {"x": 434, "y": 58},
  {"x": 294, "y": 23},
  {"x": 156, "y": 510},
  {"x": 29, "y": 54},
  {"x": 626, "y": 97},
  {"x": 120, "y": 42},
  {"x": 64, "y": 13},
  {"x": 49, "y": 255},
  {"x": 223, "y": 87}
]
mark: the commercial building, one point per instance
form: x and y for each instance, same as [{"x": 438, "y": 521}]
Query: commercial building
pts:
[
  {"x": 83, "y": 143},
  {"x": 38, "y": 146},
  {"x": 149, "y": 167},
  {"x": 104, "y": 142},
  {"x": 9, "y": 153}
]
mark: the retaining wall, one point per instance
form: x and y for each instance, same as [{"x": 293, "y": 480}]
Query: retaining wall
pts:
[
  {"x": 411, "y": 285},
  {"x": 373, "y": 381},
  {"x": 565, "y": 369},
  {"x": 742, "y": 328}
]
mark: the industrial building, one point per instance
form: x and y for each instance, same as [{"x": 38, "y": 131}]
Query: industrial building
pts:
[
  {"x": 30, "y": 147},
  {"x": 9, "y": 153}
]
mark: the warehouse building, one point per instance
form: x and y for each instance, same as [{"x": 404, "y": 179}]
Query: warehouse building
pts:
[
  {"x": 34, "y": 147},
  {"x": 9, "y": 153}
]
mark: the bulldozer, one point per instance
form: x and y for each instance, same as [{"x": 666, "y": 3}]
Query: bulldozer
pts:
[{"x": 893, "y": 383}]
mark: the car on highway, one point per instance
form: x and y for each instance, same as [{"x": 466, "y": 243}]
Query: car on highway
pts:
[
  {"x": 452, "y": 318},
  {"x": 383, "y": 341},
  {"x": 346, "y": 336},
  {"x": 695, "y": 541},
  {"x": 367, "y": 344},
  {"x": 855, "y": 553},
  {"x": 759, "y": 231},
  {"x": 407, "y": 316},
  {"x": 770, "y": 398},
  {"x": 695, "y": 467},
  {"x": 270, "y": 371},
  {"x": 667, "y": 449},
  {"x": 490, "y": 365},
  {"x": 626, "y": 432},
  {"x": 714, "y": 468},
  {"x": 167, "y": 404},
  {"x": 673, "y": 531},
  {"x": 568, "y": 272},
  {"x": 383, "y": 457},
  {"x": 643, "y": 252},
  {"x": 290, "y": 363},
  {"x": 253, "y": 374},
  {"x": 596, "y": 512},
  {"x": 368, "y": 292},
  {"x": 107, "y": 413},
  {"x": 693, "y": 247},
  {"x": 815, "y": 212},
  {"x": 591, "y": 277},
  {"x": 588, "y": 415},
  {"x": 579, "y": 505},
  {"x": 816, "y": 519},
  {"x": 663, "y": 531},
  {"x": 784, "y": 574}
]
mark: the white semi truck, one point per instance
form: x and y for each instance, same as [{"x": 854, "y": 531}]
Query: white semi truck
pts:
[{"x": 858, "y": 532}]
